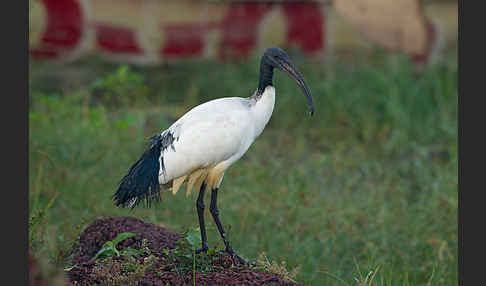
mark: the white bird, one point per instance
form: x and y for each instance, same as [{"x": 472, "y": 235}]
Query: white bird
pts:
[{"x": 200, "y": 146}]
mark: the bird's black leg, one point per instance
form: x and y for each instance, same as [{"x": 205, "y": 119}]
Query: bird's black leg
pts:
[
  {"x": 213, "y": 208},
  {"x": 200, "y": 213}
]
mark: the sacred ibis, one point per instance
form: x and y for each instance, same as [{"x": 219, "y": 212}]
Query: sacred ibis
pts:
[{"x": 200, "y": 146}]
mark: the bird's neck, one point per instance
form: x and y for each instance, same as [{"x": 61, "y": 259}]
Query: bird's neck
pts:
[
  {"x": 262, "y": 109},
  {"x": 266, "y": 76}
]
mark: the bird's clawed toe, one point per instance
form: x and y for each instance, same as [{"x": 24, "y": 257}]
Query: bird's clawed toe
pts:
[{"x": 237, "y": 260}]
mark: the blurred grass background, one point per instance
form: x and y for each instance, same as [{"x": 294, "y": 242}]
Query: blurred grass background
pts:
[{"x": 368, "y": 183}]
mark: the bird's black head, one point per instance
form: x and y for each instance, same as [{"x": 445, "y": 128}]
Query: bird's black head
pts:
[
  {"x": 273, "y": 56},
  {"x": 277, "y": 58}
]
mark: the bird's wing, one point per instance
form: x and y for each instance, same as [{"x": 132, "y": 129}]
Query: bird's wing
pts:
[{"x": 205, "y": 136}]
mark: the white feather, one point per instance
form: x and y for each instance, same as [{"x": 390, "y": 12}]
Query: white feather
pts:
[{"x": 217, "y": 132}]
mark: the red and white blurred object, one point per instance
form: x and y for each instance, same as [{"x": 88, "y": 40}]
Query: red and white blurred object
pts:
[{"x": 150, "y": 31}]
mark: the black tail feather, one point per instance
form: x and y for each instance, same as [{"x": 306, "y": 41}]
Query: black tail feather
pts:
[{"x": 142, "y": 181}]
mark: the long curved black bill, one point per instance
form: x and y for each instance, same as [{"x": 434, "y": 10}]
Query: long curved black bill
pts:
[{"x": 294, "y": 73}]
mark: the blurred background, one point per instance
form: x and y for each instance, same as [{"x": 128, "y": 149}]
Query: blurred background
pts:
[{"x": 369, "y": 183}]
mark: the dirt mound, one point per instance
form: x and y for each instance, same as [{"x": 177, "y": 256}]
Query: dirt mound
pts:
[
  {"x": 153, "y": 269},
  {"x": 102, "y": 230}
]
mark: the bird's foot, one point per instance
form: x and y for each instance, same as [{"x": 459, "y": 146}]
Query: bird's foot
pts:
[
  {"x": 237, "y": 260},
  {"x": 205, "y": 248}
]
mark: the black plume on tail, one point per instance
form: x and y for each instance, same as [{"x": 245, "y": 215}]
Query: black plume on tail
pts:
[{"x": 142, "y": 180}]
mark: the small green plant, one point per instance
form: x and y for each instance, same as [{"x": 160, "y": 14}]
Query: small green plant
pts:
[
  {"x": 109, "y": 248},
  {"x": 183, "y": 257},
  {"x": 121, "y": 87}
]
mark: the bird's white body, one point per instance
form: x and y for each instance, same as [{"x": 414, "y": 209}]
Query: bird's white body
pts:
[{"x": 211, "y": 137}]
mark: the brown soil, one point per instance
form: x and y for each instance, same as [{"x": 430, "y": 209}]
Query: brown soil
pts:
[{"x": 87, "y": 272}]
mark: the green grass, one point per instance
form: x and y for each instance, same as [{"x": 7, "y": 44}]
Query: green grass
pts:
[{"x": 368, "y": 183}]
